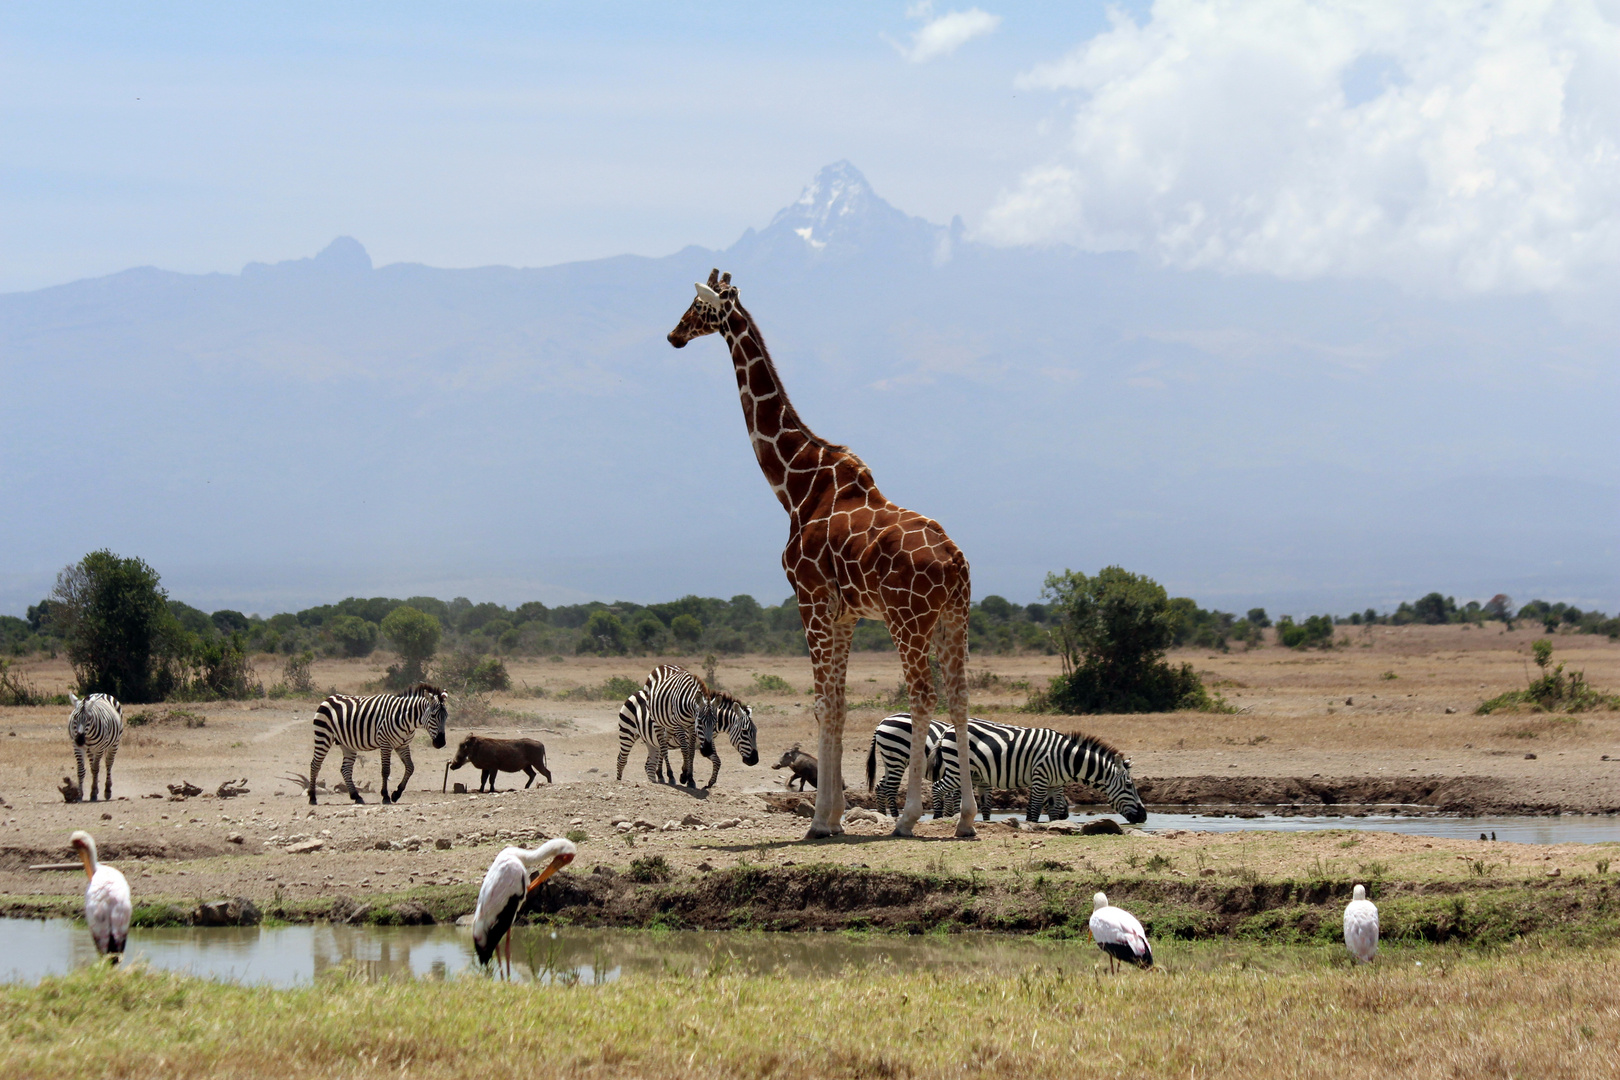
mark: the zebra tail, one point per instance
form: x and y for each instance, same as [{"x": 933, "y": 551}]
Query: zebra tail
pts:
[{"x": 871, "y": 764}]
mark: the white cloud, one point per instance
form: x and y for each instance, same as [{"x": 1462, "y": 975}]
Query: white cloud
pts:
[
  {"x": 1449, "y": 146},
  {"x": 944, "y": 35}
]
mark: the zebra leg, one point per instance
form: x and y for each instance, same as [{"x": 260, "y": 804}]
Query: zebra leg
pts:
[
  {"x": 714, "y": 756},
  {"x": 95, "y": 773},
  {"x": 1038, "y": 796},
  {"x": 112, "y": 752},
  {"x": 348, "y": 776},
  {"x": 655, "y": 763},
  {"x": 315, "y": 766},
  {"x": 387, "y": 756},
  {"x": 984, "y": 793},
  {"x": 1058, "y": 806},
  {"x": 78, "y": 755},
  {"x": 410, "y": 767}
]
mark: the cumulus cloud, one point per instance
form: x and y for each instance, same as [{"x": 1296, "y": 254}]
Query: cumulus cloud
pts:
[
  {"x": 944, "y": 34},
  {"x": 1449, "y": 146}
]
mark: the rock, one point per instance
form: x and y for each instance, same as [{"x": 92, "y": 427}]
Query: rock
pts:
[
  {"x": 861, "y": 813},
  {"x": 1064, "y": 827},
  {"x": 442, "y": 843},
  {"x": 671, "y": 825},
  {"x": 604, "y": 871},
  {"x": 238, "y": 911},
  {"x": 1449, "y": 709},
  {"x": 411, "y": 913},
  {"x": 645, "y": 825},
  {"x": 1529, "y": 757},
  {"x": 235, "y": 838},
  {"x": 106, "y": 817},
  {"x": 704, "y": 866},
  {"x": 1101, "y": 827},
  {"x": 1554, "y": 872},
  {"x": 458, "y": 789},
  {"x": 690, "y": 819},
  {"x": 729, "y": 823},
  {"x": 804, "y": 808},
  {"x": 382, "y": 845},
  {"x": 465, "y": 920},
  {"x": 1208, "y": 871},
  {"x": 304, "y": 846}
]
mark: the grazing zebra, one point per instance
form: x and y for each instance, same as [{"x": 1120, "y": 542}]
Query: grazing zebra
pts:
[
  {"x": 663, "y": 714},
  {"x": 1041, "y": 760},
  {"x": 891, "y": 744},
  {"x": 385, "y": 722},
  {"x": 725, "y": 713},
  {"x": 94, "y": 728}
]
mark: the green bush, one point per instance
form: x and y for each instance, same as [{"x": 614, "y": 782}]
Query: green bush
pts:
[
  {"x": 686, "y": 628},
  {"x": 604, "y": 634},
  {"x": 1114, "y": 629},
  {"x": 770, "y": 684},
  {"x": 415, "y": 635},
  {"x": 355, "y": 636},
  {"x": 468, "y": 673},
  {"x": 649, "y": 869},
  {"x": 1314, "y": 632},
  {"x": 219, "y": 668},
  {"x": 1553, "y": 691},
  {"x": 121, "y": 637}
]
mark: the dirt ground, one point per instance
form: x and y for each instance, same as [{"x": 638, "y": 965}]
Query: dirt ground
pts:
[{"x": 1376, "y": 708}]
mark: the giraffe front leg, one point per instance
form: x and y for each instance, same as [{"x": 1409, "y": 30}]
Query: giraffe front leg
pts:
[
  {"x": 913, "y": 649},
  {"x": 829, "y": 661},
  {"x": 952, "y": 639}
]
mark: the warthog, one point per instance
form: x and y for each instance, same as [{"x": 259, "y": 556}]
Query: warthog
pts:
[
  {"x": 802, "y": 764},
  {"x": 491, "y": 756}
]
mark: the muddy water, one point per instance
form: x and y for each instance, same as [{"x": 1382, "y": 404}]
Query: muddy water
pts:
[
  {"x": 31, "y": 949},
  {"x": 1572, "y": 829}
]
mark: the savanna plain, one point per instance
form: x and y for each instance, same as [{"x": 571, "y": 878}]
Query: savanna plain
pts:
[{"x": 1499, "y": 959}]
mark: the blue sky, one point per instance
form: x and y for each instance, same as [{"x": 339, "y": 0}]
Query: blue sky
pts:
[{"x": 200, "y": 136}]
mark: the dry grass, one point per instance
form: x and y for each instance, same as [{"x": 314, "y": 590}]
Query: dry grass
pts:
[{"x": 1206, "y": 1013}]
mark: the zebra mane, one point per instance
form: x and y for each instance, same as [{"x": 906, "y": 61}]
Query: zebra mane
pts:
[
  {"x": 420, "y": 689},
  {"x": 720, "y": 697},
  {"x": 1091, "y": 742}
]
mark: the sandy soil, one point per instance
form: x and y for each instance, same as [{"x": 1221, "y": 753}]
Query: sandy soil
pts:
[{"x": 1338, "y": 714}]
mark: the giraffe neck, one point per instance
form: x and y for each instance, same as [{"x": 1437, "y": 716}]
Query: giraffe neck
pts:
[{"x": 774, "y": 427}]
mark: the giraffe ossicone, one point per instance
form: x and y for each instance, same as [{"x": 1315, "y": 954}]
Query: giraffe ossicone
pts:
[{"x": 851, "y": 554}]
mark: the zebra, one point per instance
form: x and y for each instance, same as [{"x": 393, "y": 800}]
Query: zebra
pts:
[
  {"x": 385, "y": 722},
  {"x": 891, "y": 743},
  {"x": 725, "y": 713},
  {"x": 95, "y": 728},
  {"x": 664, "y": 714},
  {"x": 1041, "y": 760}
]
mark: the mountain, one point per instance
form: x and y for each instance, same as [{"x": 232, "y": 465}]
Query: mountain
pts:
[{"x": 320, "y": 427}]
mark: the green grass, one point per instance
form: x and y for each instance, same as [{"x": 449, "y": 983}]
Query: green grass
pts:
[{"x": 1208, "y": 1011}]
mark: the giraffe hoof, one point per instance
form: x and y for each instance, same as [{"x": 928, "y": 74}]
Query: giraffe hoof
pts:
[
  {"x": 965, "y": 832},
  {"x": 820, "y": 832},
  {"x": 901, "y": 830}
]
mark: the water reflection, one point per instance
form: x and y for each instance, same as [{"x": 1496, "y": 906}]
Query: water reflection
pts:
[{"x": 293, "y": 955}]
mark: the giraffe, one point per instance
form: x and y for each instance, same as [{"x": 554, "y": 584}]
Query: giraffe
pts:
[{"x": 851, "y": 554}]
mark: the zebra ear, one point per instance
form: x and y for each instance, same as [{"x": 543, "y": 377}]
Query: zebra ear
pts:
[{"x": 73, "y": 699}]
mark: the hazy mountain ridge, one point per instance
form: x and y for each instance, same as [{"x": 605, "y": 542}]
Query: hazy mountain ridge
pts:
[{"x": 317, "y": 427}]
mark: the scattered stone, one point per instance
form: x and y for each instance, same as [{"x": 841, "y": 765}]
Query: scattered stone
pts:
[
  {"x": 1101, "y": 827},
  {"x": 239, "y": 911},
  {"x": 183, "y": 790},
  {"x": 442, "y": 843},
  {"x": 704, "y": 866},
  {"x": 1450, "y": 709},
  {"x": 1065, "y": 827},
  {"x": 458, "y": 789},
  {"x": 689, "y": 819},
  {"x": 1349, "y": 701},
  {"x": 411, "y": 913},
  {"x": 106, "y": 817},
  {"x": 601, "y": 870},
  {"x": 1554, "y": 872},
  {"x": 1208, "y": 871},
  {"x": 382, "y": 845},
  {"x": 307, "y": 845},
  {"x": 804, "y": 808},
  {"x": 1529, "y": 757},
  {"x": 729, "y": 823},
  {"x": 230, "y": 789},
  {"x": 235, "y": 838}
]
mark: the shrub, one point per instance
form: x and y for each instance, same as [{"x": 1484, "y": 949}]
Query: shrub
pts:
[
  {"x": 1314, "y": 632},
  {"x": 770, "y": 684},
  {"x": 1114, "y": 629},
  {"x": 469, "y": 673},
  {"x": 1553, "y": 691},
  {"x": 121, "y": 636},
  {"x": 15, "y": 689},
  {"x": 415, "y": 635},
  {"x": 649, "y": 869},
  {"x": 355, "y": 636},
  {"x": 219, "y": 668},
  {"x": 604, "y": 634},
  {"x": 686, "y": 628}
]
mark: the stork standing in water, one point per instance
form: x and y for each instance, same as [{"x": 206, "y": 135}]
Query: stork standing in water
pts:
[
  {"x": 1118, "y": 934},
  {"x": 505, "y": 887},
  {"x": 106, "y": 899},
  {"x": 1361, "y": 926}
]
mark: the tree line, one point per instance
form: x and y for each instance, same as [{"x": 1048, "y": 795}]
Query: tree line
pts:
[{"x": 126, "y": 636}]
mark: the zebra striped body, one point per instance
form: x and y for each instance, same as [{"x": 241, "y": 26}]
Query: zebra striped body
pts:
[
  {"x": 664, "y": 714},
  {"x": 1041, "y": 760},
  {"x": 384, "y": 722},
  {"x": 727, "y": 714},
  {"x": 95, "y": 728},
  {"x": 891, "y": 748}
]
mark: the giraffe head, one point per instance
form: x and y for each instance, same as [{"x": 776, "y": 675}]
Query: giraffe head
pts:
[{"x": 714, "y": 301}]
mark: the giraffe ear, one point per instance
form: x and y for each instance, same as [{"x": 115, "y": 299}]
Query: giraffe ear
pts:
[{"x": 707, "y": 295}]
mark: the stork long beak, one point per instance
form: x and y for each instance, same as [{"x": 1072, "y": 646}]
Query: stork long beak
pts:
[
  {"x": 84, "y": 857},
  {"x": 556, "y": 864}
]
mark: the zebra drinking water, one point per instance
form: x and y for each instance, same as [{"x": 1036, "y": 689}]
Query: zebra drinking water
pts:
[
  {"x": 891, "y": 747},
  {"x": 664, "y": 715},
  {"x": 385, "y": 722},
  {"x": 1041, "y": 760},
  {"x": 95, "y": 728}
]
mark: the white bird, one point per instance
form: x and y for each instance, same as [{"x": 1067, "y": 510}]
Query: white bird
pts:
[
  {"x": 504, "y": 889},
  {"x": 106, "y": 899},
  {"x": 1118, "y": 934},
  {"x": 1361, "y": 926}
]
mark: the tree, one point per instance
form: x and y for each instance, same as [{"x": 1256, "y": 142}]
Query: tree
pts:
[
  {"x": 1500, "y": 607},
  {"x": 1257, "y": 617},
  {"x": 604, "y": 633},
  {"x": 1113, "y": 630},
  {"x": 119, "y": 632},
  {"x": 1434, "y": 609},
  {"x": 415, "y": 635},
  {"x": 354, "y": 635},
  {"x": 648, "y": 630},
  {"x": 686, "y": 629}
]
